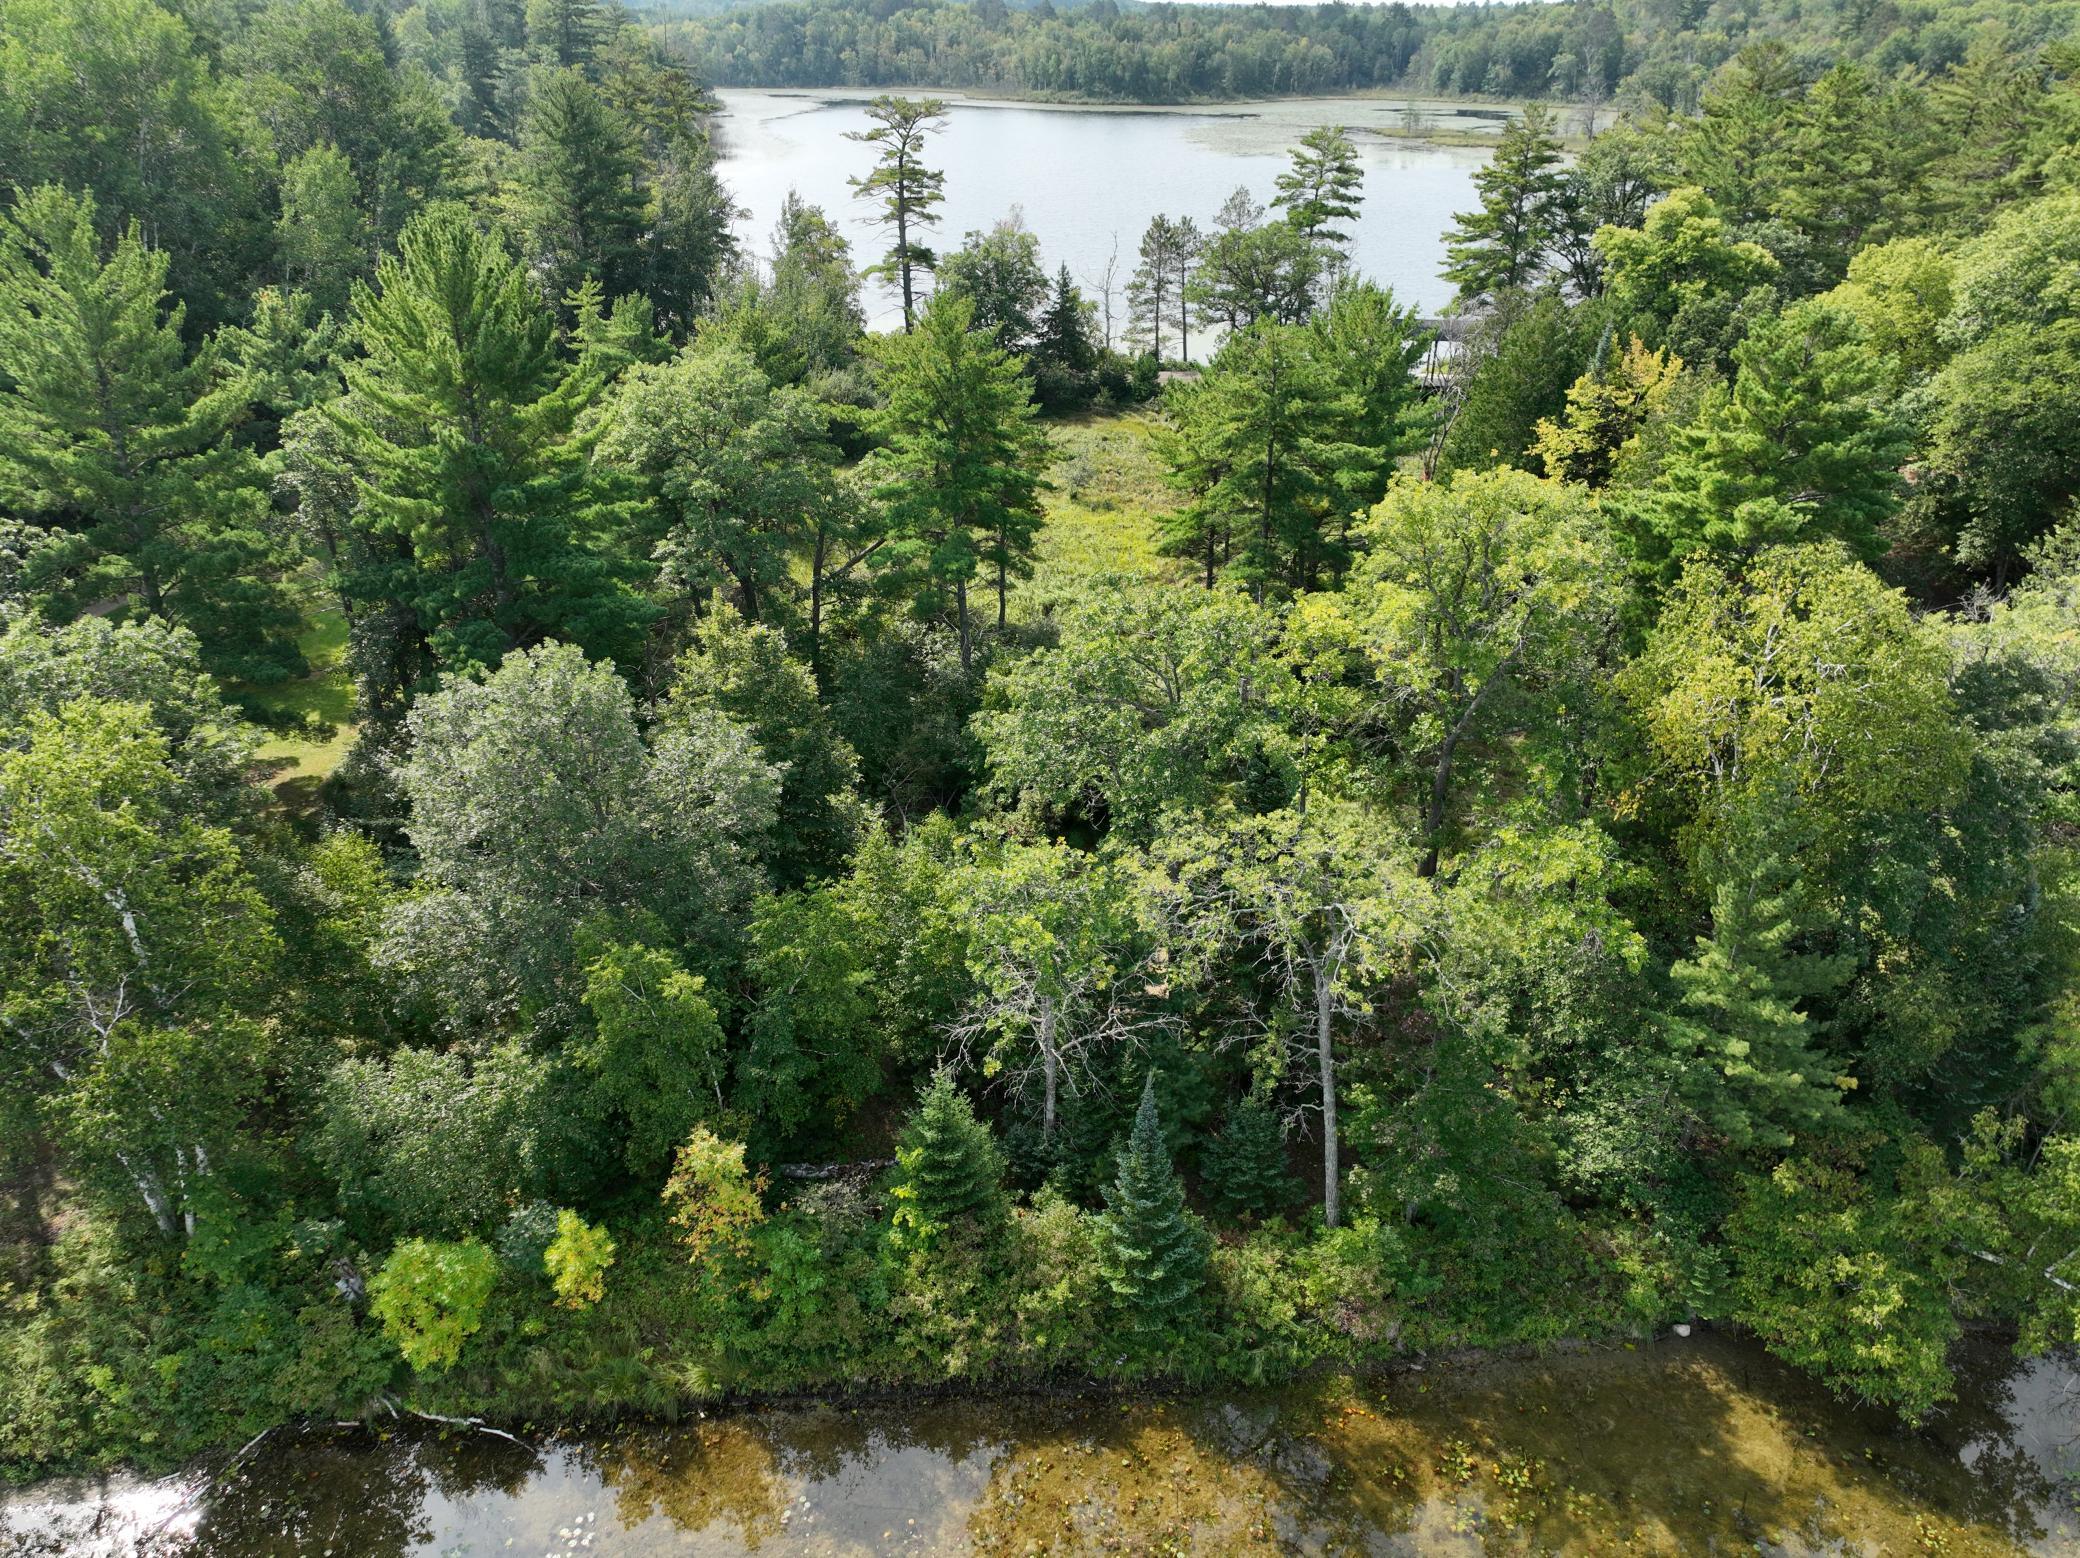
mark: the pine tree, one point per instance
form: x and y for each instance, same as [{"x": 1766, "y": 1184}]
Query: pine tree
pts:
[
  {"x": 1259, "y": 446},
  {"x": 488, "y": 523},
  {"x": 1741, "y": 1043},
  {"x": 1808, "y": 447},
  {"x": 1152, "y": 1251},
  {"x": 113, "y": 428},
  {"x": 564, "y": 33},
  {"x": 951, "y": 1171},
  {"x": 577, "y": 196},
  {"x": 1246, "y": 1164},
  {"x": 1502, "y": 247},
  {"x": 907, "y": 191},
  {"x": 1321, "y": 189},
  {"x": 1153, "y": 291},
  {"x": 961, "y": 471}
]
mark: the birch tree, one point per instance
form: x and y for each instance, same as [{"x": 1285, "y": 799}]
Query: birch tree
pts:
[
  {"x": 1325, "y": 910},
  {"x": 1058, "y": 980},
  {"x": 132, "y": 970}
]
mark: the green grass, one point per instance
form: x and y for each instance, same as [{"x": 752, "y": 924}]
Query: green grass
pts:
[
  {"x": 1103, "y": 512},
  {"x": 297, "y": 763}
]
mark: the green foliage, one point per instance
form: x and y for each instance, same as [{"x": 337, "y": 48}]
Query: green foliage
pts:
[
  {"x": 655, "y": 1056},
  {"x": 950, "y": 1172},
  {"x": 577, "y": 1260},
  {"x": 429, "y": 1140},
  {"x": 960, "y": 473},
  {"x": 537, "y": 807},
  {"x": 1522, "y": 381},
  {"x": 714, "y": 1200},
  {"x": 1000, "y": 275},
  {"x": 1151, "y": 1251},
  {"x": 491, "y": 528},
  {"x": 1741, "y": 1034},
  {"x": 744, "y": 672},
  {"x": 1807, "y": 448},
  {"x": 431, "y": 1297},
  {"x": 1262, "y": 447},
  {"x": 1501, "y": 248},
  {"x": 1245, "y": 1165},
  {"x": 117, "y": 431},
  {"x": 1841, "y": 1278},
  {"x": 133, "y": 980}
]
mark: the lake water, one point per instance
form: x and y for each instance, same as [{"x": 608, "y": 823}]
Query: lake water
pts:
[
  {"x": 1089, "y": 180},
  {"x": 1686, "y": 1446}
]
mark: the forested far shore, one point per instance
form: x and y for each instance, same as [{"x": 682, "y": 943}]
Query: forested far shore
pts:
[
  {"x": 580, "y": 833},
  {"x": 1634, "y": 54}
]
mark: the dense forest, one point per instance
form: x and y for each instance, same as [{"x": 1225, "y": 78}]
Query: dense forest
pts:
[
  {"x": 579, "y": 834},
  {"x": 1635, "y": 53}
]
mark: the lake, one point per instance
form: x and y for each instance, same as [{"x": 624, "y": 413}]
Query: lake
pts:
[
  {"x": 1088, "y": 180},
  {"x": 1688, "y": 1445}
]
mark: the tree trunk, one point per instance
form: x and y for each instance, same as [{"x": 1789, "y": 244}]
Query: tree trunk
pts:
[
  {"x": 1324, "y": 1006},
  {"x": 960, "y": 595},
  {"x": 1050, "y": 1066}
]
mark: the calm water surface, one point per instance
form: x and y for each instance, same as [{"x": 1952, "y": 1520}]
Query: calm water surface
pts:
[
  {"x": 1087, "y": 180},
  {"x": 1698, "y": 1446}
]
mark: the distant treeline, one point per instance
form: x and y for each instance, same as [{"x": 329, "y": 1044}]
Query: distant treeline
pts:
[{"x": 1634, "y": 51}]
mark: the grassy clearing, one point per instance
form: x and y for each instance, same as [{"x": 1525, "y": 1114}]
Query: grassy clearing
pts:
[
  {"x": 298, "y": 763},
  {"x": 1109, "y": 495}
]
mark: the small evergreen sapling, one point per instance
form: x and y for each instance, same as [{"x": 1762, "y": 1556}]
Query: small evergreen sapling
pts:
[
  {"x": 1246, "y": 1164},
  {"x": 952, "y": 1171},
  {"x": 1152, "y": 1251}
]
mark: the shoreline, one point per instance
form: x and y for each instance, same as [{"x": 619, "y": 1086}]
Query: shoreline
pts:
[{"x": 1485, "y": 118}]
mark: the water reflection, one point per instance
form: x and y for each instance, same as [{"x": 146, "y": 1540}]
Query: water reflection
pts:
[{"x": 1690, "y": 1447}]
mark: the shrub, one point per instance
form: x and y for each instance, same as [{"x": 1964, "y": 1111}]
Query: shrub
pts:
[
  {"x": 577, "y": 1260},
  {"x": 430, "y": 1298}
]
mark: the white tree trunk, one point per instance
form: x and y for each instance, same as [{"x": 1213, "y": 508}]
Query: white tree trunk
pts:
[{"x": 1324, "y": 1007}]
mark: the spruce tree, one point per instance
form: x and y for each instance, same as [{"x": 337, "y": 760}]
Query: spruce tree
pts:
[
  {"x": 688, "y": 244},
  {"x": 1246, "y": 1164},
  {"x": 1152, "y": 1251},
  {"x": 1065, "y": 329},
  {"x": 1739, "y": 1037},
  {"x": 951, "y": 1171},
  {"x": 120, "y": 434},
  {"x": 488, "y": 522},
  {"x": 1502, "y": 246}
]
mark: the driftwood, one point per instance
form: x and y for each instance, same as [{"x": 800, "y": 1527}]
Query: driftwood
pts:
[
  {"x": 475, "y": 1423},
  {"x": 814, "y": 1172}
]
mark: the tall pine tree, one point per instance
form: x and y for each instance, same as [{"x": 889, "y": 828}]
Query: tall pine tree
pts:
[
  {"x": 1502, "y": 246},
  {"x": 490, "y": 525},
  {"x": 577, "y": 197},
  {"x": 961, "y": 471},
  {"x": 113, "y": 429}
]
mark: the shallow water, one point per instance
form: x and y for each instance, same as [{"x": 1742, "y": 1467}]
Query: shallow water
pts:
[
  {"x": 1089, "y": 179},
  {"x": 1687, "y": 1446}
]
